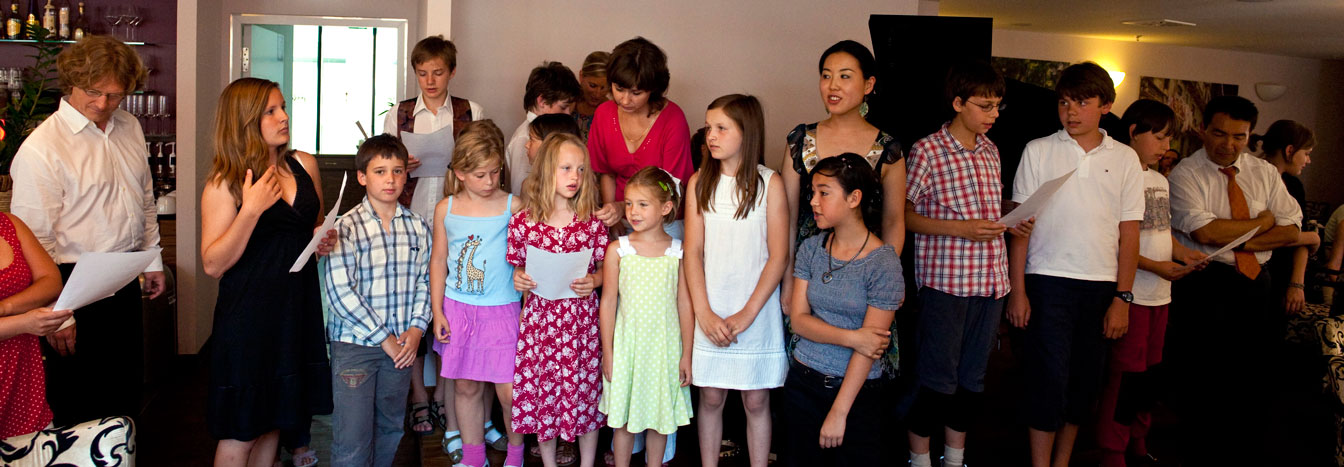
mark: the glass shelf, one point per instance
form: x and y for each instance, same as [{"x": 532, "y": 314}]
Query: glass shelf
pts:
[{"x": 30, "y": 41}]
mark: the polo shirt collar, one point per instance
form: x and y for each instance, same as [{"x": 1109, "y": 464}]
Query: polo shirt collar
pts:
[{"x": 1107, "y": 142}]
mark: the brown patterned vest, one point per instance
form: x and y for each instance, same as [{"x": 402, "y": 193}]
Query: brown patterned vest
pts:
[{"x": 406, "y": 122}]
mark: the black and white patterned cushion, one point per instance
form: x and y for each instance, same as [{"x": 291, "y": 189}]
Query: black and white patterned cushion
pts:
[{"x": 109, "y": 442}]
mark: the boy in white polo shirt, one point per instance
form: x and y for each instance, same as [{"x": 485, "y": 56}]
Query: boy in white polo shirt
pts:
[{"x": 1072, "y": 278}]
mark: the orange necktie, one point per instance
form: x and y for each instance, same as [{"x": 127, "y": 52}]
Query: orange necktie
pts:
[{"x": 1246, "y": 263}]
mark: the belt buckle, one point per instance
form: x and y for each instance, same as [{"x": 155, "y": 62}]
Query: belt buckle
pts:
[{"x": 831, "y": 382}]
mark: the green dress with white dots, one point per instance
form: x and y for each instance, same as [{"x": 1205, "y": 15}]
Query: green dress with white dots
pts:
[{"x": 645, "y": 390}]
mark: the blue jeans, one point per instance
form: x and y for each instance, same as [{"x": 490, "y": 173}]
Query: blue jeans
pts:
[{"x": 370, "y": 396}]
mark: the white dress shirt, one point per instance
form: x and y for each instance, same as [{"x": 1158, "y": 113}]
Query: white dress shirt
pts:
[
  {"x": 1199, "y": 195},
  {"x": 429, "y": 190},
  {"x": 1077, "y": 234},
  {"x": 83, "y": 189},
  {"x": 516, "y": 152}
]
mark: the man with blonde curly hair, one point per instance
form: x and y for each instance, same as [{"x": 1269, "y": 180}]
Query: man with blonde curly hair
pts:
[{"x": 82, "y": 182}]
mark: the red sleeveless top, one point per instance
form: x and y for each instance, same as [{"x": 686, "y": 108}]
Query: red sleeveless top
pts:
[{"x": 23, "y": 403}]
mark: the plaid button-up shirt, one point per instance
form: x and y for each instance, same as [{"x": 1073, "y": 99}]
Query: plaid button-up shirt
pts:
[
  {"x": 946, "y": 181},
  {"x": 377, "y": 282}
]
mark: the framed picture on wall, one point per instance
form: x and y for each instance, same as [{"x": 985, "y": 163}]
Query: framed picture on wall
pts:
[{"x": 1187, "y": 99}]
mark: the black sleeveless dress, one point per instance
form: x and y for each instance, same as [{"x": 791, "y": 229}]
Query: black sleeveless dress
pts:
[{"x": 269, "y": 367}]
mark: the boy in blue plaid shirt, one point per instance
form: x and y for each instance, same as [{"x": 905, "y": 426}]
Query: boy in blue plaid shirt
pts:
[{"x": 377, "y": 284}]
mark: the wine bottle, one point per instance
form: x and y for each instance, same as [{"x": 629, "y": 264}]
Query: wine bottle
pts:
[
  {"x": 81, "y": 24},
  {"x": 13, "y": 22},
  {"x": 32, "y": 18},
  {"x": 64, "y": 19},
  {"x": 49, "y": 18}
]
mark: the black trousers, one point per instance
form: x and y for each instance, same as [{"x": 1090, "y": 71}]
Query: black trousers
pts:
[
  {"x": 105, "y": 375},
  {"x": 1220, "y": 342},
  {"x": 807, "y": 400}
]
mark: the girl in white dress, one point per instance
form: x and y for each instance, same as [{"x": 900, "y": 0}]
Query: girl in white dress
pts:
[{"x": 734, "y": 279}]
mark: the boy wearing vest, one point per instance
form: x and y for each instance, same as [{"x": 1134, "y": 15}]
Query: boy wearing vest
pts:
[{"x": 434, "y": 60}]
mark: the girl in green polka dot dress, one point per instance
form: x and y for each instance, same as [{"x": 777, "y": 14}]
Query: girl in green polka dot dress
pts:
[{"x": 645, "y": 320}]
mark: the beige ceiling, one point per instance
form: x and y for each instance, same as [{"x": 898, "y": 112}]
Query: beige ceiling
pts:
[{"x": 1303, "y": 28}]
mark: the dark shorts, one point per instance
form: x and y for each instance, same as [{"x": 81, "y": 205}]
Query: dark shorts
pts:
[
  {"x": 955, "y": 337},
  {"x": 1063, "y": 351}
]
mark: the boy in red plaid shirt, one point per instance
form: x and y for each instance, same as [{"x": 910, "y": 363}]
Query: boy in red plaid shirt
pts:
[{"x": 961, "y": 262}]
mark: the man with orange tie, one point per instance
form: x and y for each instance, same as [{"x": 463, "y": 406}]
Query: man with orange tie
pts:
[{"x": 1222, "y": 331}]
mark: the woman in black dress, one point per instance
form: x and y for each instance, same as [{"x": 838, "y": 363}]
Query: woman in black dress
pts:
[{"x": 269, "y": 369}]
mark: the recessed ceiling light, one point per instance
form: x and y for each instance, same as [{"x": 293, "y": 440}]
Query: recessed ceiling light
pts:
[{"x": 1158, "y": 23}]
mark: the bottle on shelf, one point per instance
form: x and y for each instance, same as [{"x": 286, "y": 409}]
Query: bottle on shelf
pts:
[
  {"x": 81, "y": 26},
  {"x": 49, "y": 18},
  {"x": 32, "y": 18},
  {"x": 13, "y": 22},
  {"x": 64, "y": 20}
]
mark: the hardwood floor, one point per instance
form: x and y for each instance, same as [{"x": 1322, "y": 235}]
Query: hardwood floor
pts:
[{"x": 171, "y": 431}]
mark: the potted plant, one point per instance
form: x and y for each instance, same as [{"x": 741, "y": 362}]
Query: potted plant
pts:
[{"x": 37, "y": 99}]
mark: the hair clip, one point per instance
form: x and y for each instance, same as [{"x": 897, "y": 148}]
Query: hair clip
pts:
[
  {"x": 675, "y": 181},
  {"x": 663, "y": 185}
]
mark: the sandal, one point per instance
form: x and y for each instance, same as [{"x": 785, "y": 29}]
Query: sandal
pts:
[
  {"x": 436, "y": 416},
  {"x": 304, "y": 459},
  {"x": 564, "y": 450},
  {"x": 728, "y": 449},
  {"x": 417, "y": 420},
  {"x": 454, "y": 454},
  {"x": 501, "y": 442}
]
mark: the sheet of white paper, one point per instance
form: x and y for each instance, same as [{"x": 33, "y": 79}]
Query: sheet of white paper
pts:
[
  {"x": 327, "y": 224},
  {"x": 553, "y": 272},
  {"x": 1228, "y": 247},
  {"x": 434, "y": 150},
  {"x": 100, "y": 275},
  {"x": 1036, "y": 202}
]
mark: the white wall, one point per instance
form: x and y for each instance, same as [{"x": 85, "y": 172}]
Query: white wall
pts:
[
  {"x": 761, "y": 47},
  {"x": 1310, "y": 88}
]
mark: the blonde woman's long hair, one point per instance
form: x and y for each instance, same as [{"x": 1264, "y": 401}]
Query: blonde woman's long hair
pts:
[
  {"x": 239, "y": 145},
  {"x": 480, "y": 143},
  {"x": 539, "y": 187}
]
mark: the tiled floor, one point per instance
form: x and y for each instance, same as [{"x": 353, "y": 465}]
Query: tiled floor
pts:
[{"x": 171, "y": 431}]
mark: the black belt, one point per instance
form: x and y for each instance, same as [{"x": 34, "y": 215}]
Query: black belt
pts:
[{"x": 828, "y": 381}]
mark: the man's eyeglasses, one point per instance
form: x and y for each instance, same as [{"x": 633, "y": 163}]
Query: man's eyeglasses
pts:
[{"x": 111, "y": 96}]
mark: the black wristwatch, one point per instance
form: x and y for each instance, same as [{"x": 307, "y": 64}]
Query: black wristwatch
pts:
[{"x": 1125, "y": 296}]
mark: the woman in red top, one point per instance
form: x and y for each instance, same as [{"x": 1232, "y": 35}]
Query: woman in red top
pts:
[
  {"x": 637, "y": 129},
  {"x": 28, "y": 280}
]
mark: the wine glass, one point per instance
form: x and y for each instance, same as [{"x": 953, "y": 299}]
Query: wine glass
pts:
[
  {"x": 164, "y": 115},
  {"x": 131, "y": 15},
  {"x": 113, "y": 16},
  {"x": 150, "y": 114}
]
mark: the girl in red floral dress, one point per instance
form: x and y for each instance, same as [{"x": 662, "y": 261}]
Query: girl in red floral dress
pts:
[
  {"x": 28, "y": 280},
  {"x": 557, "y": 380}
]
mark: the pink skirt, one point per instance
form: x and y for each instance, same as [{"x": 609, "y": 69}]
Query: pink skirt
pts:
[{"x": 482, "y": 342}]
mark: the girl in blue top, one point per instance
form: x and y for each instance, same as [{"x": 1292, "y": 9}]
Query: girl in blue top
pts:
[
  {"x": 847, "y": 286},
  {"x": 475, "y": 305}
]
